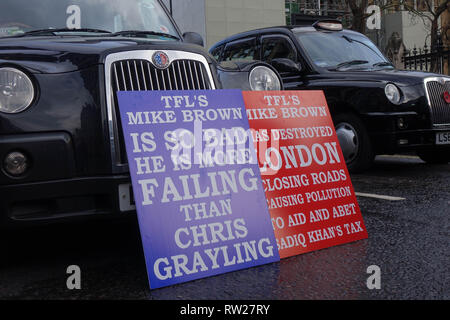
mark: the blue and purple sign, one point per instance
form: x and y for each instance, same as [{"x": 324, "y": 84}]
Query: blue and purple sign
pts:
[{"x": 201, "y": 206}]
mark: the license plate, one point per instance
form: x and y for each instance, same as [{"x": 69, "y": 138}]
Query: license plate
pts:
[
  {"x": 126, "y": 198},
  {"x": 443, "y": 138}
]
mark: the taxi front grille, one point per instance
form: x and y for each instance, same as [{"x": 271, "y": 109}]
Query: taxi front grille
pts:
[
  {"x": 134, "y": 71},
  {"x": 141, "y": 75},
  {"x": 440, "y": 110}
]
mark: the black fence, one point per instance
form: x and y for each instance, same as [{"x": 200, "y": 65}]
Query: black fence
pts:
[{"x": 424, "y": 59}]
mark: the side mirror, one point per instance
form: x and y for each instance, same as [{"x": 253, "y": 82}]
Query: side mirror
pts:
[
  {"x": 286, "y": 65},
  {"x": 194, "y": 38}
]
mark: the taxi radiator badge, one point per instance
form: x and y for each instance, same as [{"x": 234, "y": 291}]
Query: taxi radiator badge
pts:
[
  {"x": 160, "y": 60},
  {"x": 447, "y": 96}
]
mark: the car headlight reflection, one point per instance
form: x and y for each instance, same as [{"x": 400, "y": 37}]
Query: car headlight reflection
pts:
[
  {"x": 16, "y": 90},
  {"x": 263, "y": 79},
  {"x": 392, "y": 93}
]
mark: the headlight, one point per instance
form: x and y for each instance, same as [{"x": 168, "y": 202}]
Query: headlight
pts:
[
  {"x": 16, "y": 90},
  {"x": 262, "y": 79},
  {"x": 392, "y": 93}
]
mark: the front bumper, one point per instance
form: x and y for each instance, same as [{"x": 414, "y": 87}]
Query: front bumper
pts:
[
  {"x": 43, "y": 202},
  {"x": 408, "y": 141},
  {"x": 388, "y": 136}
]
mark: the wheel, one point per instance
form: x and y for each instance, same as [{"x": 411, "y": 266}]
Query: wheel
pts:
[
  {"x": 435, "y": 155},
  {"x": 355, "y": 142}
]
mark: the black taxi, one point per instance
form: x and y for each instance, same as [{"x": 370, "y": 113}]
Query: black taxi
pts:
[
  {"x": 62, "y": 153},
  {"x": 376, "y": 108}
]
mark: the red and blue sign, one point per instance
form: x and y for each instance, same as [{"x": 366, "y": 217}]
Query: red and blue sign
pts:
[
  {"x": 308, "y": 188},
  {"x": 200, "y": 200}
]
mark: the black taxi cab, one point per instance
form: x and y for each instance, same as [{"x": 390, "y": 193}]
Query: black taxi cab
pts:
[
  {"x": 376, "y": 108},
  {"x": 62, "y": 153}
]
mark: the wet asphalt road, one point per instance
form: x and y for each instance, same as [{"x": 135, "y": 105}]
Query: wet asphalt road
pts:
[{"x": 408, "y": 239}]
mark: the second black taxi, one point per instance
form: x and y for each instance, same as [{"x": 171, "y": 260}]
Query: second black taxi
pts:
[{"x": 376, "y": 108}]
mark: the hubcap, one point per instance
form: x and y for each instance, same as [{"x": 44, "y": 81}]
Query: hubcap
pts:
[{"x": 348, "y": 139}]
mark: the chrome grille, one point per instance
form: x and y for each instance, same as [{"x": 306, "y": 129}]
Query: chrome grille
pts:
[
  {"x": 440, "y": 110},
  {"x": 134, "y": 71},
  {"x": 139, "y": 75}
]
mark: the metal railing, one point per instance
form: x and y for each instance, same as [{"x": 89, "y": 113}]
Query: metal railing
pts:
[{"x": 425, "y": 59}]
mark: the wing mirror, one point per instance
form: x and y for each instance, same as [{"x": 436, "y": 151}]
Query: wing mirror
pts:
[
  {"x": 286, "y": 65},
  {"x": 194, "y": 38}
]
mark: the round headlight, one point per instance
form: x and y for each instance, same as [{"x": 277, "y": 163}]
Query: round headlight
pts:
[
  {"x": 392, "y": 93},
  {"x": 16, "y": 90},
  {"x": 263, "y": 79}
]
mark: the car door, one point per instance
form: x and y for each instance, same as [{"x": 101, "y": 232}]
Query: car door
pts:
[{"x": 278, "y": 46}]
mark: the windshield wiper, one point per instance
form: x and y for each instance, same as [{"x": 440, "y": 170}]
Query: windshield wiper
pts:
[
  {"x": 53, "y": 32},
  {"x": 349, "y": 63},
  {"x": 383, "y": 64},
  {"x": 138, "y": 33},
  {"x": 360, "y": 42}
]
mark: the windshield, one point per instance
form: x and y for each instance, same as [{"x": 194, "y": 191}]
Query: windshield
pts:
[
  {"x": 20, "y": 16},
  {"x": 337, "y": 49}
]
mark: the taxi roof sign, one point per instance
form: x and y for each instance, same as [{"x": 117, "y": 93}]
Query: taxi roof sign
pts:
[{"x": 330, "y": 25}]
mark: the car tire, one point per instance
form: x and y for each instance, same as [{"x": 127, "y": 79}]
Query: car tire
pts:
[
  {"x": 355, "y": 142},
  {"x": 435, "y": 155}
]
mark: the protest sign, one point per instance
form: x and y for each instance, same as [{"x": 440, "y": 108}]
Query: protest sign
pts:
[
  {"x": 308, "y": 188},
  {"x": 197, "y": 187}
]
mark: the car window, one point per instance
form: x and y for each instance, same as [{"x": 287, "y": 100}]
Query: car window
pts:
[
  {"x": 19, "y": 16},
  {"x": 216, "y": 52},
  {"x": 240, "y": 50},
  {"x": 277, "y": 47},
  {"x": 328, "y": 49}
]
